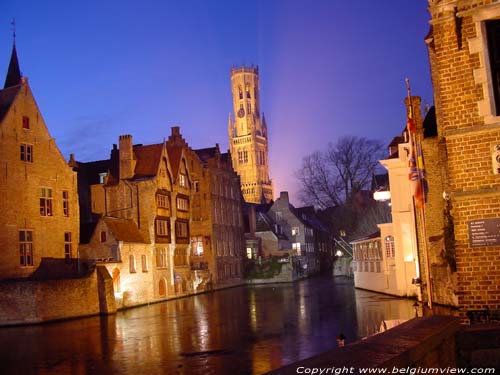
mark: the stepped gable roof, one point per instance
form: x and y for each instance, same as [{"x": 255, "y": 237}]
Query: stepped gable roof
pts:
[
  {"x": 7, "y": 97},
  {"x": 430, "y": 124},
  {"x": 125, "y": 230},
  {"x": 147, "y": 160},
  {"x": 13, "y": 77}
]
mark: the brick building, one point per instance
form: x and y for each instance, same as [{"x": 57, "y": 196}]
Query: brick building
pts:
[
  {"x": 39, "y": 204},
  {"x": 462, "y": 158}
]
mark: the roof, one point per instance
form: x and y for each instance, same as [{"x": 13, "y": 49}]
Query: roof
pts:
[
  {"x": 123, "y": 229},
  {"x": 174, "y": 156},
  {"x": 265, "y": 223},
  {"x": 147, "y": 160},
  {"x": 7, "y": 97},
  {"x": 206, "y": 153},
  {"x": 13, "y": 77},
  {"x": 369, "y": 237},
  {"x": 430, "y": 124}
]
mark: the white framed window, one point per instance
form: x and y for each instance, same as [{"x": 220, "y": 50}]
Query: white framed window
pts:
[
  {"x": 162, "y": 227},
  {"x": 182, "y": 203},
  {"x": 68, "y": 247},
  {"x": 65, "y": 202},
  {"x": 26, "y": 248},
  {"x": 163, "y": 201},
  {"x": 182, "y": 180},
  {"x": 45, "y": 201},
  {"x": 197, "y": 245},
  {"x": 390, "y": 250},
  {"x": 295, "y": 231}
]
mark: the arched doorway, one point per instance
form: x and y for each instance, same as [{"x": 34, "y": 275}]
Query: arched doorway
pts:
[
  {"x": 116, "y": 280},
  {"x": 162, "y": 288}
]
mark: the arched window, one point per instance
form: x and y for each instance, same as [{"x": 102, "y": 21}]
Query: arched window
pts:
[
  {"x": 390, "y": 251},
  {"x": 162, "y": 288},
  {"x": 247, "y": 89},
  {"x": 116, "y": 280},
  {"x": 240, "y": 92}
]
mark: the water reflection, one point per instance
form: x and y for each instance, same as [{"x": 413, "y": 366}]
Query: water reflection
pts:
[{"x": 235, "y": 331}]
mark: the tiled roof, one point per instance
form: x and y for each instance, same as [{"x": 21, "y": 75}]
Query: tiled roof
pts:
[
  {"x": 124, "y": 229},
  {"x": 174, "y": 156},
  {"x": 206, "y": 153},
  {"x": 147, "y": 160}
]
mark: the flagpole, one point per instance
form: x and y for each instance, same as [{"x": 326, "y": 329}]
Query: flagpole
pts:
[{"x": 420, "y": 207}]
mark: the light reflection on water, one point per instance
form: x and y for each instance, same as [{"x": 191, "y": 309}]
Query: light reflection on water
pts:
[{"x": 245, "y": 330}]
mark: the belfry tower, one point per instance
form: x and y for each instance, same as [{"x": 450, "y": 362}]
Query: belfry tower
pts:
[{"x": 248, "y": 136}]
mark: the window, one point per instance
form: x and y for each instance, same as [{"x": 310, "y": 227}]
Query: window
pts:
[
  {"x": 26, "y": 153},
  {"x": 162, "y": 288},
  {"x": 296, "y": 245},
  {"x": 68, "y": 248},
  {"x": 26, "y": 247},
  {"x": 26, "y": 122},
  {"x": 243, "y": 157},
  {"x": 197, "y": 245},
  {"x": 65, "y": 201},
  {"x": 162, "y": 227},
  {"x": 196, "y": 185},
  {"x": 249, "y": 253},
  {"x": 144, "y": 261},
  {"x": 103, "y": 236},
  {"x": 249, "y": 108},
  {"x": 389, "y": 247},
  {"x": 182, "y": 203},
  {"x": 247, "y": 90},
  {"x": 45, "y": 201},
  {"x": 295, "y": 231},
  {"x": 131, "y": 262},
  {"x": 182, "y": 180},
  {"x": 181, "y": 229},
  {"x": 240, "y": 92},
  {"x": 493, "y": 31},
  {"x": 278, "y": 215},
  {"x": 161, "y": 258},
  {"x": 102, "y": 177},
  {"x": 163, "y": 201}
]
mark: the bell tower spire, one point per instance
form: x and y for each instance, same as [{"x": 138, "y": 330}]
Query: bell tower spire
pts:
[
  {"x": 13, "y": 73},
  {"x": 248, "y": 136}
]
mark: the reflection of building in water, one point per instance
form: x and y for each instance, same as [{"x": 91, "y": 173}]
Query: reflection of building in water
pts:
[{"x": 372, "y": 309}]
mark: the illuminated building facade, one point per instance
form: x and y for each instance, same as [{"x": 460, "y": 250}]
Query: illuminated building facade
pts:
[
  {"x": 462, "y": 158},
  {"x": 248, "y": 136},
  {"x": 39, "y": 204}
]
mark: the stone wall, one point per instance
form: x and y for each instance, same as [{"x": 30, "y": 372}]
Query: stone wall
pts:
[
  {"x": 36, "y": 301},
  {"x": 422, "y": 342}
]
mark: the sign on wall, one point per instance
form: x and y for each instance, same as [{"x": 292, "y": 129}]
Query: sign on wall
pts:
[{"x": 484, "y": 232}]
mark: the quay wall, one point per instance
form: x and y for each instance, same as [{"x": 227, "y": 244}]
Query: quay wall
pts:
[{"x": 35, "y": 301}]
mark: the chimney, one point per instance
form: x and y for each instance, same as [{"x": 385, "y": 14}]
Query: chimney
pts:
[
  {"x": 416, "y": 111},
  {"x": 176, "y": 131},
  {"x": 252, "y": 221},
  {"x": 284, "y": 197},
  {"x": 127, "y": 161}
]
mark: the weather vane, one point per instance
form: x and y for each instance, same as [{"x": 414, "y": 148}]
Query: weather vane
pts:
[{"x": 13, "y": 23}]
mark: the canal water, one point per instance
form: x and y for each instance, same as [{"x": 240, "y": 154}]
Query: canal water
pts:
[{"x": 243, "y": 330}]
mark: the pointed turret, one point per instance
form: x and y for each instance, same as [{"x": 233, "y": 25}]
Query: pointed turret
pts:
[{"x": 14, "y": 73}]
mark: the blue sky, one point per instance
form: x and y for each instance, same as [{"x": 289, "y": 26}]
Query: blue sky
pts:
[{"x": 327, "y": 68}]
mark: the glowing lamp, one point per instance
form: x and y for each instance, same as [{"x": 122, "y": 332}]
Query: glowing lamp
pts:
[{"x": 382, "y": 195}]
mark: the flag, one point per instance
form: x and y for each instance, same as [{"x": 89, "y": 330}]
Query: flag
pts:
[{"x": 416, "y": 171}]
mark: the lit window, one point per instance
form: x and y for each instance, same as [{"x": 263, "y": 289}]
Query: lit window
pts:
[
  {"x": 132, "y": 263},
  {"x": 26, "y": 153},
  {"x": 65, "y": 201},
  {"x": 390, "y": 250},
  {"x": 45, "y": 201},
  {"x": 162, "y": 227},
  {"x": 182, "y": 180},
  {"x": 197, "y": 245},
  {"x": 249, "y": 253},
  {"x": 163, "y": 201},
  {"x": 26, "y": 247},
  {"x": 296, "y": 245},
  {"x": 182, "y": 203},
  {"x": 26, "y": 122},
  {"x": 161, "y": 258},
  {"x": 68, "y": 248},
  {"x": 295, "y": 231}
]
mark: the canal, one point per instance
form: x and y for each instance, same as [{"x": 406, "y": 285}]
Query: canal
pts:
[{"x": 244, "y": 330}]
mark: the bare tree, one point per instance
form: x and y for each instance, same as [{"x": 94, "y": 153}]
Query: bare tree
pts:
[{"x": 331, "y": 178}]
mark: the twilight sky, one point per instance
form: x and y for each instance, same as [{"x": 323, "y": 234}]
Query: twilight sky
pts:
[{"x": 328, "y": 68}]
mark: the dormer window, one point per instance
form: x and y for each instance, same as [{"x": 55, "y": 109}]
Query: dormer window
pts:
[{"x": 182, "y": 180}]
